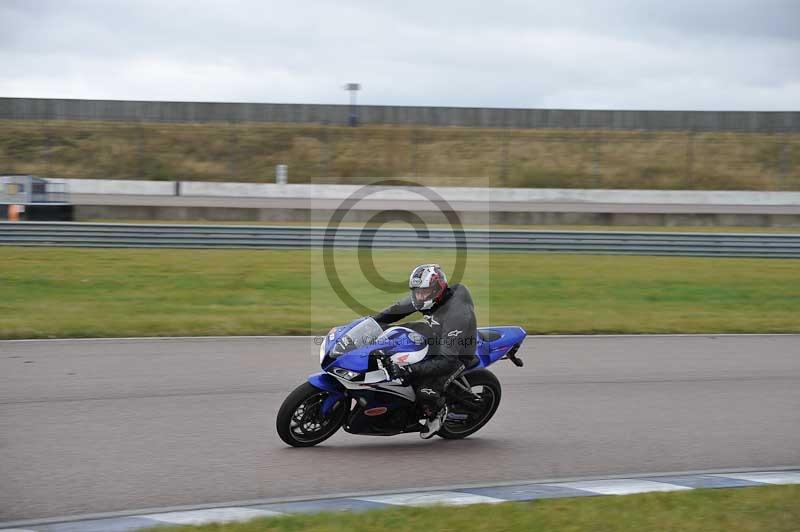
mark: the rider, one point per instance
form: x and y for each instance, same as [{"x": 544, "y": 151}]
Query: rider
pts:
[{"x": 451, "y": 331}]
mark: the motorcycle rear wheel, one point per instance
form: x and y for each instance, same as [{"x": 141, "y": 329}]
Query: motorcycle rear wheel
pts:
[
  {"x": 300, "y": 423},
  {"x": 483, "y": 383}
]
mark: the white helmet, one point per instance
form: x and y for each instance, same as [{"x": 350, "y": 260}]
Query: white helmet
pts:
[{"x": 428, "y": 284}]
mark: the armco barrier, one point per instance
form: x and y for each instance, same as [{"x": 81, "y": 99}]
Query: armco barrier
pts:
[{"x": 204, "y": 236}]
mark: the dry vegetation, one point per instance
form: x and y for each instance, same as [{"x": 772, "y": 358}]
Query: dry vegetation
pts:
[{"x": 443, "y": 156}]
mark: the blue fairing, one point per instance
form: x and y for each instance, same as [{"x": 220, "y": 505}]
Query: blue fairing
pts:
[
  {"x": 356, "y": 360},
  {"x": 325, "y": 382},
  {"x": 490, "y": 352}
]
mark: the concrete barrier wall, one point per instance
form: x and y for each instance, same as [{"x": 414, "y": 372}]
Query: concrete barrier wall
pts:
[
  {"x": 61, "y": 109},
  {"x": 119, "y": 186},
  {"x": 553, "y": 195}
]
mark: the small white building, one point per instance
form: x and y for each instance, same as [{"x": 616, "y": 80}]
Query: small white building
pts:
[{"x": 20, "y": 189}]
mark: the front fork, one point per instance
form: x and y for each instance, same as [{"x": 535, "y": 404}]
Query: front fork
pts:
[{"x": 336, "y": 392}]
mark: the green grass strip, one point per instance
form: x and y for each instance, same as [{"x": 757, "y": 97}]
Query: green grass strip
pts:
[
  {"x": 772, "y": 508},
  {"x": 69, "y": 292}
]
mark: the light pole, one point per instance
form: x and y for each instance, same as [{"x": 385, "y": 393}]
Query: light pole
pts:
[{"x": 353, "y": 88}]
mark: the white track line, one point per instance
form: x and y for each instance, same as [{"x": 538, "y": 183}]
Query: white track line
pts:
[
  {"x": 771, "y": 477},
  {"x": 621, "y": 486},
  {"x": 213, "y": 515},
  {"x": 449, "y": 498}
]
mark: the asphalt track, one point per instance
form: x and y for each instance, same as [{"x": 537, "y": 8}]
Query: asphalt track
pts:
[
  {"x": 422, "y": 205},
  {"x": 106, "y": 425}
]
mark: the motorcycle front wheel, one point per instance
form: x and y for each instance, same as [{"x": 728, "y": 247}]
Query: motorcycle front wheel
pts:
[{"x": 300, "y": 421}]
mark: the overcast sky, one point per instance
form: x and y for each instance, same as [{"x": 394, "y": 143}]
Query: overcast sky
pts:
[{"x": 623, "y": 54}]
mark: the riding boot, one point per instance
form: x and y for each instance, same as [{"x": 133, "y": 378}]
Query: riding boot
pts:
[
  {"x": 433, "y": 424},
  {"x": 434, "y": 412}
]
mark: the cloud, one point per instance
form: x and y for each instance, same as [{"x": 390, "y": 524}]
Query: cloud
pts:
[{"x": 732, "y": 54}]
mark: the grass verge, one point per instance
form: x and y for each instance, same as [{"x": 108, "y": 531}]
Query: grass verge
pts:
[
  {"x": 771, "y": 508},
  {"x": 69, "y": 292}
]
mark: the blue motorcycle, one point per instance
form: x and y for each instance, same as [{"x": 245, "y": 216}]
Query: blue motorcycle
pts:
[{"x": 355, "y": 391}]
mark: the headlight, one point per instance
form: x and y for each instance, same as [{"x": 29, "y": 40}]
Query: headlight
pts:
[
  {"x": 346, "y": 373},
  {"x": 323, "y": 346}
]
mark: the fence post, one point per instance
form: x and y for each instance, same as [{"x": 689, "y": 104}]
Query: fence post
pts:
[
  {"x": 142, "y": 171},
  {"x": 413, "y": 148},
  {"x": 504, "y": 161},
  {"x": 233, "y": 139},
  {"x": 324, "y": 151},
  {"x": 689, "y": 158},
  {"x": 783, "y": 162},
  {"x": 48, "y": 148},
  {"x": 596, "y": 159},
  {"x": 281, "y": 174}
]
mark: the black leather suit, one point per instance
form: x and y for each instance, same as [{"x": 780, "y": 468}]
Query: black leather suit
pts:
[{"x": 450, "y": 328}]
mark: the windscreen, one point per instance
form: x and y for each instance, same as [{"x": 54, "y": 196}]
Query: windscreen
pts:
[{"x": 362, "y": 334}]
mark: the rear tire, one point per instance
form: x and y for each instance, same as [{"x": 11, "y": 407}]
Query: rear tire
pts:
[
  {"x": 484, "y": 383},
  {"x": 300, "y": 422}
]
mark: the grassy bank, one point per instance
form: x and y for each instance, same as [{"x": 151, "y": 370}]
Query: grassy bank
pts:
[
  {"x": 440, "y": 156},
  {"x": 48, "y": 292},
  {"x": 773, "y": 509}
]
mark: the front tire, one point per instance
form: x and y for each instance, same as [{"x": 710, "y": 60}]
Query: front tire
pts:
[
  {"x": 300, "y": 422},
  {"x": 460, "y": 423}
]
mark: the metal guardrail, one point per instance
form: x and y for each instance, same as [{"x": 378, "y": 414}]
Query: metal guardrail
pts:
[{"x": 229, "y": 236}]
